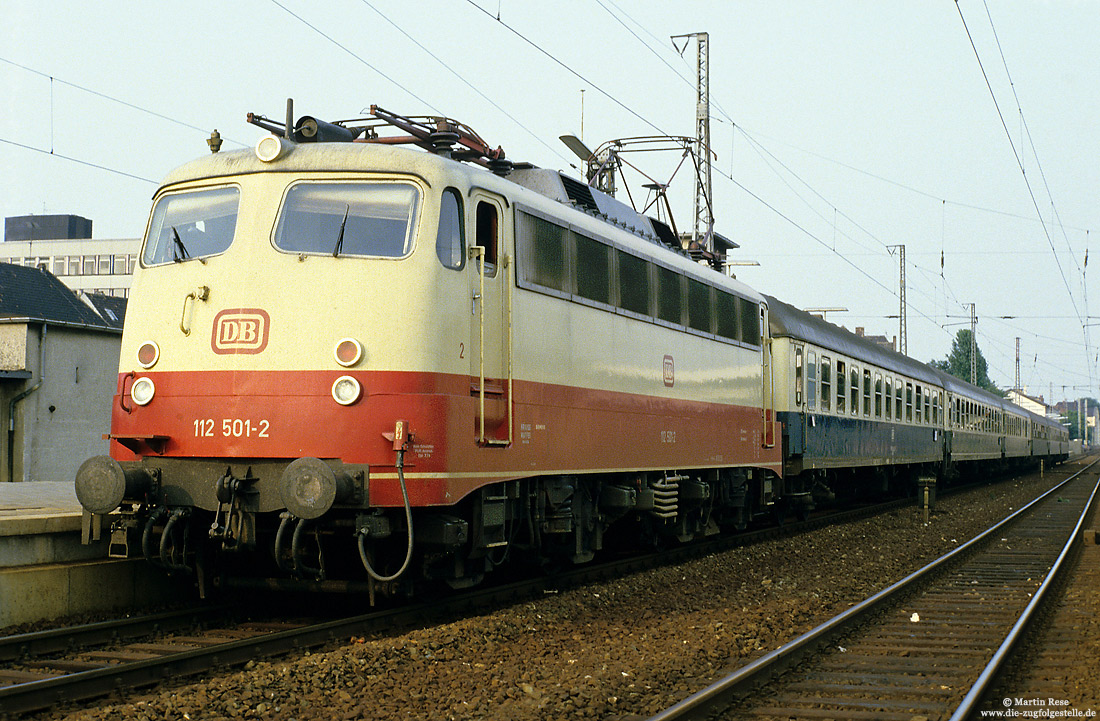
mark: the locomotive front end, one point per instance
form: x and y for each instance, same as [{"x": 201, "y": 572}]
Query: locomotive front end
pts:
[{"x": 269, "y": 368}]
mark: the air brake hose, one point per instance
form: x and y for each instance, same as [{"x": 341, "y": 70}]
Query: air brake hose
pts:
[{"x": 409, "y": 522}]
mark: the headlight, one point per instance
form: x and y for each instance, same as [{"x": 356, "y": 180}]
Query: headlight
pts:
[
  {"x": 345, "y": 390},
  {"x": 348, "y": 352},
  {"x": 148, "y": 354},
  {"x": 142, "y": 391},
  {"x": 269, "y": 148}
]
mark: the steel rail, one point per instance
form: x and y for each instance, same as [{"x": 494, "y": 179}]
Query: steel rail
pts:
[
  {"x": 970, "y": 703},
  {"x": 37, "y": 695},
  {"x": 704, "y": 701},
  {"x": 55, "y": 640},
  {"x": 41, "y": 694}
]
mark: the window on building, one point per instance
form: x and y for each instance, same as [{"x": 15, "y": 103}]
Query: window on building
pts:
[{"x": 89, "y": 265}]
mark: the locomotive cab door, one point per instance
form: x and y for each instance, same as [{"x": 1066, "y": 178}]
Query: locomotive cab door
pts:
[{"x": 490, "y": 271}]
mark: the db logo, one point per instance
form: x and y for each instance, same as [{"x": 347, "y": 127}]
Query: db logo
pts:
[
  {"x": 670, "y": 371},
  {"x": 240, "y": 330}
]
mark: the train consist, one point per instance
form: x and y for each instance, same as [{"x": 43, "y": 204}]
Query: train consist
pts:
[{"x": 358, "y": 360}]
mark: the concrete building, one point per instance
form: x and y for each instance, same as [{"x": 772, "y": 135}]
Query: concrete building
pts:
[
  {"x": 93, "y": 266},
  {"x": 63, "y": 245},
  {"x": 46, "y": 227},
  {"x": 58, "y": 372},
  {"x": 1029, "y": 403}
]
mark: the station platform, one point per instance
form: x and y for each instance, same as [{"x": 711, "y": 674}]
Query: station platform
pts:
[{"x": 45, "y": 570}]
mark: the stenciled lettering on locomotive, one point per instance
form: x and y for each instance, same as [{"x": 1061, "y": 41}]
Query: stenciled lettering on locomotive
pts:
[
  {"x": 240, "y": 330},
  {"x": 670, "y": 371}
]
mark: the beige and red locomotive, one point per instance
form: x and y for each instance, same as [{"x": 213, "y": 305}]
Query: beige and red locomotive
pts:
[{"x": 363, "y": 361}]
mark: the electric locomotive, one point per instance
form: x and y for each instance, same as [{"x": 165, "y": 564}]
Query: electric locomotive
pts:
[{"x": 359, "y": 360}]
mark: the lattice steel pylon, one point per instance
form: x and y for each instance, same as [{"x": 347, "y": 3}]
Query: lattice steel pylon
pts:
[
  {"x": 903, "y": 346},
  {"x": 703, "y": 229}
]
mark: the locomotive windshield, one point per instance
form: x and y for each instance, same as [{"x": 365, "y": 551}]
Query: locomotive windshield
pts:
[
  {"x": 193, "y": 224},
  {"x": 358, "y": 219}
]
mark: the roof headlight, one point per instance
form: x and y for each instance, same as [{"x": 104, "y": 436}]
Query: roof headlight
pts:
[
  {"x": 348, "y": 352},
  {"x": 345, "y": 390},
  {"x": 148, "y": 354},
  {"x": 142, "y": 391},
  {"x": 269, "y": 148}
]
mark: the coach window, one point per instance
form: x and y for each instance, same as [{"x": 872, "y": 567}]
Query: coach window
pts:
[
  {"x": 726, "y": 314},
  {"x": 841, "y": 388},
  {"x": 699, "y": 306},
  {"x": 669, "y": 295},
  {"x": 811, "y": 379},
  {"x": 866, "y": 392},
  {"x": 449, "y": 245},
  {"x": 826, "y": 382},
  {"x": 918, "y": 415},
  {"x": 878, "y": 395},
  {"x": 909, "y": 402},
  {"x": 633, "y": 283},
  {"x": 899, "y": 403},
  {"x": 593, "y": 268},
  {"x": 889, "y": 398},
  {"x": 927, "y": 405},
  {"x": 935, "y": 408},
  {"x": 854, "y": 384}
]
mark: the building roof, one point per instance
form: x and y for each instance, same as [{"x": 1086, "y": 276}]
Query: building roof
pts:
[
  {"x": 36, "y": 294},
  {"x": 110, "y": 308}
]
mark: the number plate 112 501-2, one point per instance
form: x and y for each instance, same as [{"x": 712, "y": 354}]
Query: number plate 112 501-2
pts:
[{"x": 232, "y": 427}]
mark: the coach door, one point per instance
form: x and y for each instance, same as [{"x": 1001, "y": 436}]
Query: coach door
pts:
[
  {"x": 491, "y": 305},
  {"x": 768, "y": 380}
]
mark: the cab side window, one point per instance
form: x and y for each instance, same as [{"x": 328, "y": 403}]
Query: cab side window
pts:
[{"x": 449, "y": 245}]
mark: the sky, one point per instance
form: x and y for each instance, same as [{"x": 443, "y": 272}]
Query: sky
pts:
[{"x": 968, "y": 132}]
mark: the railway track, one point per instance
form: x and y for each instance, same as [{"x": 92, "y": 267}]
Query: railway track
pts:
[
  {"x": 43, "y": 669},
  {"x": 928, "y": 646}
]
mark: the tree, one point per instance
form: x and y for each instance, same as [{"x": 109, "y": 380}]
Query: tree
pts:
[{"x": 957, "y": 362}]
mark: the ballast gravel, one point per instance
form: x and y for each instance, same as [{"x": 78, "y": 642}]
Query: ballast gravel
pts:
[{"x": 618, "y": 650}]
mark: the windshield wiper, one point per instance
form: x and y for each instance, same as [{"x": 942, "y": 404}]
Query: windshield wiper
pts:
[
  {"x": 340, "y": 237},
  {"x": 179, "y": 250}
]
